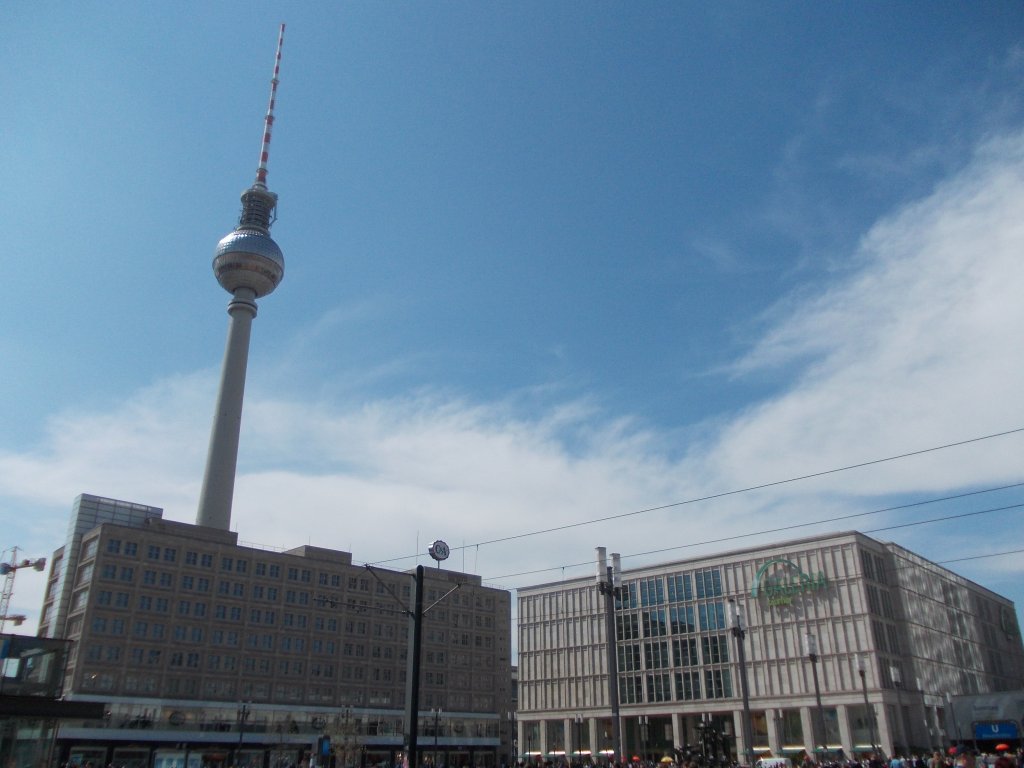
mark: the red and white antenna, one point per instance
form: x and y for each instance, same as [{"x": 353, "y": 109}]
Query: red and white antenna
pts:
[{"x": 268, "y": 121}]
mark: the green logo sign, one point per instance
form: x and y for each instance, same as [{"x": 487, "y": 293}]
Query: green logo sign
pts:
[{"x": 785, "y": 581}]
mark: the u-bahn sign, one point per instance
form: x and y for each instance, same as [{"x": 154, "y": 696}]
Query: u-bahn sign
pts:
[{"x": 780, "y": 580}]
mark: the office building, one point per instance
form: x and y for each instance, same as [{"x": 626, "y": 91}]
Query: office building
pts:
[
  {"x": 917, "y": 630},
  {"x": 210, "y": 653}
]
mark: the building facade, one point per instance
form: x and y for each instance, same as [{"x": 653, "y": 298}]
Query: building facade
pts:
[
  {"x": 892, "y": 635},
  {"x": 210, "y": 653}
]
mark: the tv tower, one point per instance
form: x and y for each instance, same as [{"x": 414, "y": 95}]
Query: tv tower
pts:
[{"x": 248, "y": 265}]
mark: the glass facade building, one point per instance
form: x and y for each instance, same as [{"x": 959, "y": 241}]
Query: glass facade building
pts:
[{"x": 919, "y": 631}]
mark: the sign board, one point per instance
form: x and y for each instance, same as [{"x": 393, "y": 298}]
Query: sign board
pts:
[
  {"x": 780, "y": 580},
  {"x": 1001, "y": 730}
]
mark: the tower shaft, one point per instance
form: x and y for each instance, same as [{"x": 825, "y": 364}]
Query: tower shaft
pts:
[{"x": 222, "y": 457}]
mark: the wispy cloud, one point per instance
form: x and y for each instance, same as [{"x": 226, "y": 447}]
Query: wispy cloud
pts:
[{"x": 917, "y": 347}]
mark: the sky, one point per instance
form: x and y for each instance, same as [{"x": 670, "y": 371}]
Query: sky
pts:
[{"x": 556, "y": 273}]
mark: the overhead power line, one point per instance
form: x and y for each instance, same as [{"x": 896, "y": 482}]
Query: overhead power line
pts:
[
  {"x": 808, "y": 524},
  {"x": 723, "y": 494}
]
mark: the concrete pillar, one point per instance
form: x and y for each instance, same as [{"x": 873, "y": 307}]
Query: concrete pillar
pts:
[
  {"x": 887, "y": 732},
  {"x": 678, "y": 736},
  {"x": 775, "y": 731},
  {"x": 741, "y": 745},
  {"x": 845, "y": 733},
  {"x": 807, "y": 729}
]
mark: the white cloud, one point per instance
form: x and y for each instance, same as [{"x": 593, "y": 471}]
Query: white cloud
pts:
[{"x": 918, "y": 347}]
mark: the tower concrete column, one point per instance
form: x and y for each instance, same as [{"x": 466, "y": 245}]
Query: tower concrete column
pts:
[{"x": 222, "y": 456}]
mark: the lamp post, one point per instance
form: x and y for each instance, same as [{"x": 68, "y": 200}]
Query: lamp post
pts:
[
  {"x": 644, "y": 725},
  {"x": 609, "y": 584},
  {"x": 436, "y": 712},
  {"x": 243, "y": 714},
  {"x": 862, "y": 670},
  {"x": 739, "y": 630},
  {"x": 811, "y": 649},
  {"x": 578, "y": 725}
]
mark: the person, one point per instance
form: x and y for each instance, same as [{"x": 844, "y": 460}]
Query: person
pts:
[{"x": 897, "y": 761}]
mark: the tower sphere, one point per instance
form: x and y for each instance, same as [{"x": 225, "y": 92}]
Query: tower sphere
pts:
[{"x": 248, "y": 258}]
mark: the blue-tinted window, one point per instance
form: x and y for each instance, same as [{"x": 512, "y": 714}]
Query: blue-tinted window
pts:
[{"x": 652, "y": 592}]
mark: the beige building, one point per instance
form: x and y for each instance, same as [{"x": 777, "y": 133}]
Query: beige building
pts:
[
  {"x": 918, "y": 631},
  {"x": 210, "y": 653}
]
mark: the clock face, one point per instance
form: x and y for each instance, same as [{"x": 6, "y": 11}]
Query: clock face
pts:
[{"x": 439, "y": 550}]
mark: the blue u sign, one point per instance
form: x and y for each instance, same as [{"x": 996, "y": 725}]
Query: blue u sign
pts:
[{"x": 1002, "y": 729}]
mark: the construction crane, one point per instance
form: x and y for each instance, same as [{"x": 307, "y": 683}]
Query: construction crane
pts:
[{"x": 8, "y": 571}]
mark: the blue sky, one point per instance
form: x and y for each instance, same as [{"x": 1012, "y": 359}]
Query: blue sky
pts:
[{"x": 546, "y": 262}]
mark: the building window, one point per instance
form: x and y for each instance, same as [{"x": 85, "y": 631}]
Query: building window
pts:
[
  {"x": 680, "y": 588},
  {"x": 656, "y": 656},
  {"x": 114, "y": 546},
  {"x": 681, "y": 619},
  {"x": 153, "y": 552},
  {"x": 718, "y": 683},
  {"x": 628, "y": 625},
  {"x": 711, "y": 615},
  {"x": 629, "y": 657},
  {"x": 654, "y": 623},
  {"x": 687, "y": 686},
  {"x": 708, "y": 582},
  {"x": 652, "y": 592},
  {"x": 659, "y": 688},
  {"x": 685, "y": 650},
  {"x": 715, "y": 649}
]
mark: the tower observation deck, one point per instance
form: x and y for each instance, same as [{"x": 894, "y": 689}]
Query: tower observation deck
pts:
[{"x": 248, "y": 264}]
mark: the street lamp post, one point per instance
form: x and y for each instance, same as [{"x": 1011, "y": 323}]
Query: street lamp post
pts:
[
  {"x": 644, "y": 725},
  {"x": 243, "y": 714},
  {"x": 578, "y": 726},
  {"x": 436, "y": 712},
  {"x": 609, "y": 584},
  {"x": 862, "y": 670},
  {"x": 811, "y": 649},
  {"x": 738, "y": 626}
]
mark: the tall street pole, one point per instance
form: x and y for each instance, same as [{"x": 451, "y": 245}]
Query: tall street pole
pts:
[
  {"x": 811, "y": 649},
  {"x": 862, "y": 670},
  {"x": 739, "y": 631},
  {"x": 609, "y": 584}
]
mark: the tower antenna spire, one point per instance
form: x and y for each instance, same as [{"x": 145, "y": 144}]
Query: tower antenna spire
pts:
[{"x": 268, "y": 121}]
